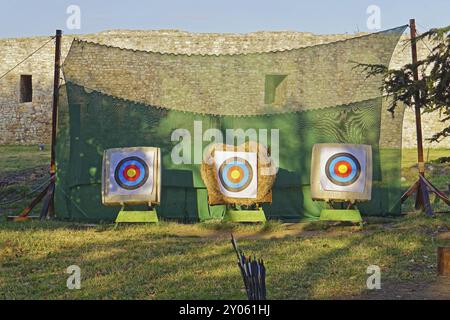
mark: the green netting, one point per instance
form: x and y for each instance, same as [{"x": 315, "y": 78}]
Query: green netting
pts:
[{"x": 92, "y": 120}]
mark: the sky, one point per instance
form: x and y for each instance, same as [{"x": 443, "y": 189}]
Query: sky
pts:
[{"x": 23, "y": 18}]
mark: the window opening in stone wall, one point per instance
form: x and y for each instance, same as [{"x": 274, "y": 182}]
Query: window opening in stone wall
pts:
[
  {"x": 275, "y": 89},
  {"x": 26, "y": 88}
]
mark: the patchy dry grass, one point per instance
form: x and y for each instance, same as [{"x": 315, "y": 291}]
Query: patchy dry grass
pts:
[
  {"x": 438, "y": 173},
  {"x": 180, "y": 261},
  {"x": 195, "y": 261},
  {"x": 22, "y": 170},
  {"x": 17, "y": 158}
]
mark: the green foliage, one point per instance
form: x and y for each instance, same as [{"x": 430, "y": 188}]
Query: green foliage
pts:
[{"x": 432, "y": 89}]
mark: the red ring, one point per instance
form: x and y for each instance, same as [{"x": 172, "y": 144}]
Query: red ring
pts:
[
  {"x": 336, "y": 169},
  {"x": 125, "y": 171}
]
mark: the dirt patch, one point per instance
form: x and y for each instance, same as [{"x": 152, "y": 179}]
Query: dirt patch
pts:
[
  {"x": 24, "y": 176},
  {"x": 286, "y": 230},
  {"x": 437, "y": 289},
  {"x": 21, "y": 185}
]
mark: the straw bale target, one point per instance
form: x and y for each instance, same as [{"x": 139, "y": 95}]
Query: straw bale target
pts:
[{"x": 242, "y": 175}]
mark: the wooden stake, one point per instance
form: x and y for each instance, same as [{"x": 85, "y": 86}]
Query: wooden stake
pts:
[
  {"x": 443, "y": 261},
  {"x": 25, "y": 212}
]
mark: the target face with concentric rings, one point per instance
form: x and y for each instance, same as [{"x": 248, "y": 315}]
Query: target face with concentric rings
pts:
[
  {"x": 343, "y": 169},
  {"x": 235, "y": 174},
  {"x": 131, "y": 173}
]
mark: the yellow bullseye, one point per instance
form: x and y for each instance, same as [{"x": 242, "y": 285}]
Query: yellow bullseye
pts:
[
  {"x": 131, "y": 173},
  {"x": 342, "y": 169},
  {"x": 235, "y": 174}
]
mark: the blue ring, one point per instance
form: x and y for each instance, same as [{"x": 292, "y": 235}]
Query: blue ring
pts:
[
  {"x": 352, "y": 165},
  {"x": 246, "y": 169},
  {"x": 343, "y": 181},
  {"x": 143, "y": 173},
  {"x": 234, "y": 184}
]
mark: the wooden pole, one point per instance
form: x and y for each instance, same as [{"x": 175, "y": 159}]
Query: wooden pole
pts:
[
  {"x": 49, "y": 191},
  {"x": 57, "y": 73},
  {"x": 421, "y": 164},
  {"x": 422, "y": 186},
  {"x": 49, "y": 207}
]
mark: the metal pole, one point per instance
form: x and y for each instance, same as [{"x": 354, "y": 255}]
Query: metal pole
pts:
[
  {"x": 55, "y": 98},
  {"x": 421, "y": 164}
]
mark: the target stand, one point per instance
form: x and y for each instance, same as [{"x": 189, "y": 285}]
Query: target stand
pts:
[
  {"x": 349, "y": 214},
  {"x": 132, "y": 179},
  {"x": 137, "y": 216},
  {"x": 341, "y": 175},
  {"x": 236, "y": 215}
]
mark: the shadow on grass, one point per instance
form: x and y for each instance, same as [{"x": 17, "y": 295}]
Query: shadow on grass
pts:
[{"x": 130, "y": 264}]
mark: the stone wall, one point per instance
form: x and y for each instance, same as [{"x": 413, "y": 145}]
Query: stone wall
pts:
[
  {"x": 315, "y": 77},
  {"x": 29, "y": 123}
]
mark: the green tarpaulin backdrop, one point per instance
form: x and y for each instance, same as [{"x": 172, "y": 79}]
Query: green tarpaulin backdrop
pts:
[{"x": 91, "y": 121}]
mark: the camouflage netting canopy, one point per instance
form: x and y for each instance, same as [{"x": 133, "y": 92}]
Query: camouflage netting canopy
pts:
[{"x": 117, "y": 97}]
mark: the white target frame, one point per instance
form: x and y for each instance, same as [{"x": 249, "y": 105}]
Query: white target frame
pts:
[
  {"x": 322, "y": 188},
  {"x": 251, "y": 190},
  {"x": 146, "y": 192}
]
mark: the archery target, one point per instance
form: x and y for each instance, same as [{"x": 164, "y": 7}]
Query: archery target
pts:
[
  {"x": 131, "y": 175},
  {"x": 131, "y": 172},
  {"x": 341, "y": 171},
  {"x": 237, "y": 173}
]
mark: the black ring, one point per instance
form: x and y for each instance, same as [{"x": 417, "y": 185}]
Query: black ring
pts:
[
  {"x": 250, "y": 174},
  {"x": 140, "y": 184},
  {"x": 343, "y": 154}
]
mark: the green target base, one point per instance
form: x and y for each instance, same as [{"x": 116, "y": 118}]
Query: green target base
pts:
[
  {"x": 352, "y": 215},
  {"x": 137, "y": 216},
  {"x": 245, "y": 215}
]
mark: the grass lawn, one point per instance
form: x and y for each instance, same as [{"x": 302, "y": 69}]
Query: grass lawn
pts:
[
  {"x": 176, "y": 261},
  {"x": 195, "y": 261},
  {"x": 17, "y": 158},
  {"x": 439, "y": 173},
  {"x": 23, "y": 169}
]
